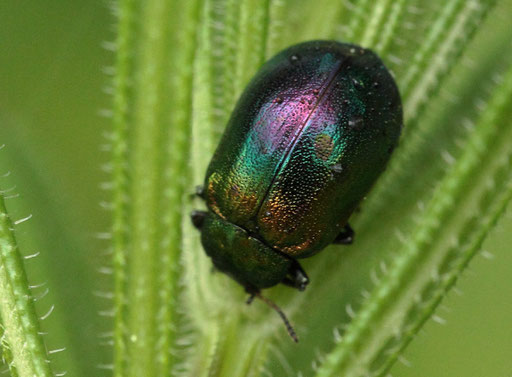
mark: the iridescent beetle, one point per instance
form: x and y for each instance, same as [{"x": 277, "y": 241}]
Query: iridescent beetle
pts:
[{"x": 306, "y": 141}]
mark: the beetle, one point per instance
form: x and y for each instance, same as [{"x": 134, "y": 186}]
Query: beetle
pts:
[{"x": 307, "y": 139}]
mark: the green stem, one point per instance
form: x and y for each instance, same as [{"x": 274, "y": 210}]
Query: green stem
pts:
[
  {"x": 152, "y": 116},
  {"x": 124, "y": 67},
  {"x": 446, "y": 54},
  {"x": 390, "y": 26},
  {"x": 380, "y": 9},
  {"x": 19, "y": 319},
  {"x": 252, "y": 39},
  {"x": 454, "y": 27},
  {"x": 358, "y": 16}
]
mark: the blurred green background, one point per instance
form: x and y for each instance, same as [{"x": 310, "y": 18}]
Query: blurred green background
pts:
[{"x": 53, "y": 89}]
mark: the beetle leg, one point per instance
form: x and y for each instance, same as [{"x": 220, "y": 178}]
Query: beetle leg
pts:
[
  {"x": 250, "y": 299},
  {"x": 253, "y": 292},
  {"x": 298, "y": 278},
  {"x": 346, "y": 236},
  {"x": 198, "y": 218},
  {"x": 199, "y": 191},
  {"x": 288, "y": 282}
]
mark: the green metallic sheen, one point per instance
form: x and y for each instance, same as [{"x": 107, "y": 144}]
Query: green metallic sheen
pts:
[
  {"x": 306, "y": 141},
  {"x": 253, "y": 263}
]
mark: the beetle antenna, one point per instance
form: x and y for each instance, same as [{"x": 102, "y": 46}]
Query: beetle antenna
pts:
[{"x": 274, "y": 306}]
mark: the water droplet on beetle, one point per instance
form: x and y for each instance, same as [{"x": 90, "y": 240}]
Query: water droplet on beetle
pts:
[
  {"x": 337, "y": 168},
  {"x": 357, "y": 83},
  {"x": 355, "y": 122}
]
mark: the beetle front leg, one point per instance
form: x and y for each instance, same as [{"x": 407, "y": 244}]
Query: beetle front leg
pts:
[
  {"x": 198, "y": 218},
  {"x": 345, "y": 237},
  {"x": 200, "y": 192},
  {"x": 297, "y": 277}
]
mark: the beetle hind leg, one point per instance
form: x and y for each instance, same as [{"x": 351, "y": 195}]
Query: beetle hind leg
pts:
[{"x": 345, "y": 237}]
